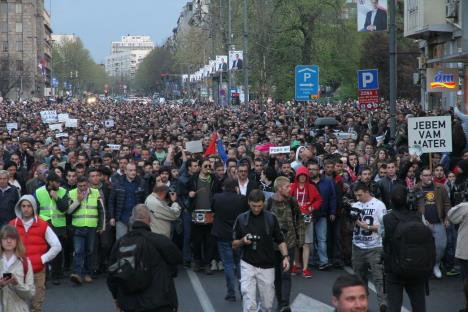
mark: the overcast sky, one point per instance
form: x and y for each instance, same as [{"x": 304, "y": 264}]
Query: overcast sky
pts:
[{"x": 99, "y": 22}]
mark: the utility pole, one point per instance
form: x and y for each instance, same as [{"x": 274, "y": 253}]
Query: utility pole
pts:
[
  {"x": 392, "y": 46},
  {"x": 229, "y": 51},
  {"x": 246, "y": 47}
]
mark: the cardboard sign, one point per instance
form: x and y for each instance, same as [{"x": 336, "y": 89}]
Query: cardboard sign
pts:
[
  {"x": 114, "y": 147},
  {"x": 49, "y": 116},
  {"x": 432, "y": 134},
  {"x": 56, "y": 127},
  {"x": 11, "y": 126},
  {"x": 61, "y": 135},
  {"x": 71, "y": 123},
  {"x": 63, "y": 117},
  {"x": 194, "y": 147},
  {"x": 109, "y": 123},
  {"x": 280, "y": 150}
]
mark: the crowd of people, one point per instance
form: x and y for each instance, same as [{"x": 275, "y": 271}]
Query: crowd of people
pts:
[{"x": 67, "y": 196}]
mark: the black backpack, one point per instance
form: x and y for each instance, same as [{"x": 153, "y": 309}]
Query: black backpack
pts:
[
  {"x": 413, "y": 248},
  {"x": 132, "y": 269}
]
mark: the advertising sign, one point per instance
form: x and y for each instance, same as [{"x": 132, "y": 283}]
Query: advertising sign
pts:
[
  {"x": 442, "y": 80},
  {"x": 371, "y": 15}
]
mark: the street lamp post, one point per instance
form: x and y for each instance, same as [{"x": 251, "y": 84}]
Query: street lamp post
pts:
[{"x": 246, "y": 46}]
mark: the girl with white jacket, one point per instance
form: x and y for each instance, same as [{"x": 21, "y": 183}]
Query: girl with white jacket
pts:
[{"x": 16, "y": 277}]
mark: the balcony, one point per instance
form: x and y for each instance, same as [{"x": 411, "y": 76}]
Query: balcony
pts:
[{"x": 425, "y": 18}]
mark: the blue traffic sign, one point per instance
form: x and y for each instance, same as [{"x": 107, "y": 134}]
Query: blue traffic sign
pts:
[
  {"x": 368, "y": 79},
  {"x": 307, "y": 82}
]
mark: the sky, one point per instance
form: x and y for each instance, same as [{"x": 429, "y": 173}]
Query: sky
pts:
[{"x": 99, "y": 22}]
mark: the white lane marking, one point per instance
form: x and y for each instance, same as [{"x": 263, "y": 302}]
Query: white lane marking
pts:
[
  {"x": 371, "y": 286},
  {"x": 304, "y": 303},
  {"x": 203, "y": 298}
]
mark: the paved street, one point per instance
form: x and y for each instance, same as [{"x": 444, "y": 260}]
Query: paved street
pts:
[{"x": 309, "y": 295}]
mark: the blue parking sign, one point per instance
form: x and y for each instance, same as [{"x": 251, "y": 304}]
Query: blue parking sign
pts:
[
  {"x": 368, "y": 79},
  {"x": 307, "y": 82}
]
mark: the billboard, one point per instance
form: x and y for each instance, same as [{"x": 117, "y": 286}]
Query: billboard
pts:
[
  {"x": 236, "y": 60},
  {"x": 371, "y": 15},
  {"x": 442, "y": 80},
  {"x": 221, "y": 63}
]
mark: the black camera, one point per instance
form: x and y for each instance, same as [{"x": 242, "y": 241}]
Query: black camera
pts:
[
  {"x": 354, "y": 214},
  {"x": 413, "y": 197},
  {"x": 254, "y": 239}
]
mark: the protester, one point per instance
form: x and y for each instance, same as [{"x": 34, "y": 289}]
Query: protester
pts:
[
  {"x": 164, "y": 209},
  {"x": 37, "y": 236},
  {"x": 159, "y": 294},
  {"x": 257, "y": 231},
  {"x": 9, "y": 196},
  {"x": 350, "y": 294}
]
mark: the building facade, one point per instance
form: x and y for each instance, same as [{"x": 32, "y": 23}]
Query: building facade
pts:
[
  {"x": 25, "y": 49},
  {"x": 126, "y": 55},
  {"x": 441, "y": 28}
]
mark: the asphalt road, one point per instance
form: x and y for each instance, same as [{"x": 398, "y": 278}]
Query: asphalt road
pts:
[{"x": 199, "y": 292}]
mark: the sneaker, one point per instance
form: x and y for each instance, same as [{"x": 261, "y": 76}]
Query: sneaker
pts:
[
  {"x": 230, "y": 298},
  {"x": 325, "y": 266},
  {"x": 214, "y": 265},
  {"x": 88, "y": 278},
  {"x": 307, "y": 273},
  {"x": 220, "y": 266},
  {"x": 295, "y": 270},
  {"x": 452, "y": 273},
  {"x": 437, "y": 272},
  {"x": 75, "y": 278}
]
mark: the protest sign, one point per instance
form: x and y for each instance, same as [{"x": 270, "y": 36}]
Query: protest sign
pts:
[
  {"x": 114, "y": 147},
  {"x": 432, "y": 134},
  {"x": 61, "y": 135},
  {"x": 11, "y": 126},
  {"x": 71, "y": 123},
  {"x": 194, "y": 146},
  {"x": 280, "y": 150},
  {"x": 109, "y": 123},
  {"x": 56, "y": 127},
  {"x": 49, "y": 116},
  {"x": 63, "y": 117}
]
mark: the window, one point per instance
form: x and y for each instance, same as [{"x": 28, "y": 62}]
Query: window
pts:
[
  {"x": 3, "y": 27},
  {"x": 4, "y": 65},
  {"x": 3, "y": 8},
  {"x": 19, "y": 27},
  {"x": 5, "y": 46},
  {"x": 19, "y": 8},
  {"x": 19, "y": 65},
  {"x": 19, "y": 45}
]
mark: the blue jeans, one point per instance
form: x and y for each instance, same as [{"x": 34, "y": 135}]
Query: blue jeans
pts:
[
  {"x": 449, "y": 257},
  {"x": 231, "y": 262},
  {"x": 187, "y": 224},
  {"x": 83, "y": 242},
  {"x": 320, "y": 245}
]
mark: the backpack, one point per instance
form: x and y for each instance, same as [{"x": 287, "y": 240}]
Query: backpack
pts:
[
  {"x": 413, "y": 248},
  {"x": 132, "y": 269}
]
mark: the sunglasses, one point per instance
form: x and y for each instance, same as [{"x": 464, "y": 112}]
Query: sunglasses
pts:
[{"x": 207, "y": 166}]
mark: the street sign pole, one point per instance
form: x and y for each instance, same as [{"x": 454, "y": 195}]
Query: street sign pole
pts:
[
  {"x": 246, "y": 59},
  {"x": 392, "y": 45},
  {"x": 228, "y": 55}
]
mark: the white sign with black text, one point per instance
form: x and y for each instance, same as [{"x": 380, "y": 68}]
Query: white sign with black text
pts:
[
  {"x": 432, "y": 134},
  {"x": 279, "y": 150},
  {"x": 49, "y": 116}
]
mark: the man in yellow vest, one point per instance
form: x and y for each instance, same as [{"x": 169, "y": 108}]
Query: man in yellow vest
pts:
[
  {"x": 52, "y": 204},
  {"x": 88, "y": 217}
]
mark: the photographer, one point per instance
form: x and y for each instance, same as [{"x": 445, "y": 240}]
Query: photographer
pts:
[
  {"x": 163, "y": 208},
  {"x": 367, "y": 251},
  {"x": 257, "y": 232},
  {"x": 398, "y": 224}
]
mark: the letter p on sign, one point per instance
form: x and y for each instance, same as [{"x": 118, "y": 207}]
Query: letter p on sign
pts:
[{"x": 368, "y": 79}]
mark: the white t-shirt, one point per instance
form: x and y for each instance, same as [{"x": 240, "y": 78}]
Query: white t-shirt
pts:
[{"x": 372, "y": 213}]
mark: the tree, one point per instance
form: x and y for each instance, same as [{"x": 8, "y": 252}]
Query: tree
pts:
[{"x": 72, "y": 63}]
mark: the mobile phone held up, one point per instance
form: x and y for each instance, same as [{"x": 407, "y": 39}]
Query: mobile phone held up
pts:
[{"x": 7, "y": 275}]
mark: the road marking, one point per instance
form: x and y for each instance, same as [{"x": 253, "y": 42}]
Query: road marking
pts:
[
  {"x": 371, "y": 286},
  {"x": 304, "y": 303},
  {"x": 205, "y": 302}
]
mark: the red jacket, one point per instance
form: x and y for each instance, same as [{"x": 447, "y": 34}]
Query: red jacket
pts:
[
  {"x": 34, "y": 241},
  {"x": 311, "y": 190}
]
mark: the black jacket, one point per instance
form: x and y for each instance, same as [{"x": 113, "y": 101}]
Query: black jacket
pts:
[
  {"x": 386, "y": 189},
  {"x": 215, "y": 187},
  {"x": 226, "y": 206},
  {"x": 8, "y": 200},
  {"x": 117, "y": 195},
  {"x": 390, "y": 222},
  {"x": 252, "y": 185},
  {"x": 162, "y": 292}
]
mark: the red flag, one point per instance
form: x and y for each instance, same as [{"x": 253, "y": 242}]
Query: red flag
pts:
[{"x": 211, "y": 149}]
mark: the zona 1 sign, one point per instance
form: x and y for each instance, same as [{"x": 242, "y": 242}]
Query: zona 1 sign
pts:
[{"x": 432, "y": 134}]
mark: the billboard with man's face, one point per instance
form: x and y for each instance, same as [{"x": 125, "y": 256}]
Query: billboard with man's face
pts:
[
  {"x": 236, "y": 60},
  {"x": 372, "y": 15}
]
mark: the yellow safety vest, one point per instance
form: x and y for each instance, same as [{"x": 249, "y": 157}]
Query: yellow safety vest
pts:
[
  {"x": 87, "y": 215},
  {"x": 48, "y": 207}
]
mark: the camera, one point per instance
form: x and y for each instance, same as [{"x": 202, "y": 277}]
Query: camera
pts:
[
  {"x": 354, "y": 214},
  {"x": 254, "y": 239},
  {"x": 412, "y": 198}
]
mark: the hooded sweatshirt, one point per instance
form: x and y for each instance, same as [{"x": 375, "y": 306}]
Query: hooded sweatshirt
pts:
[
  {"x": 36, "y": 236},
  {"x": 307, "y": 197}
]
